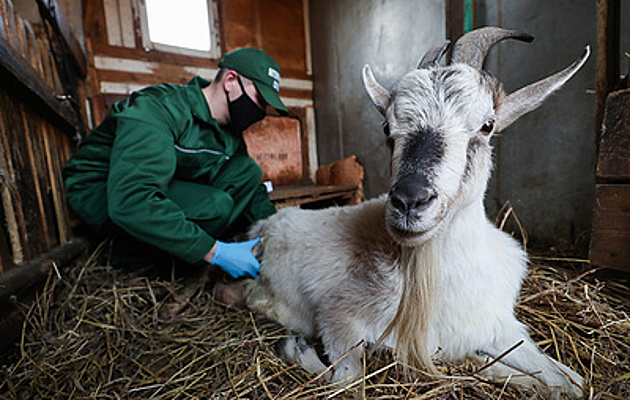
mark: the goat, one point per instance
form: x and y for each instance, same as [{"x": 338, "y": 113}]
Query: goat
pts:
[{"x": 421, "y": 269}]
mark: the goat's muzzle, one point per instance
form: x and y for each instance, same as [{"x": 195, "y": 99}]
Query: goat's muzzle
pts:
[{"x": 411, "y": 194}]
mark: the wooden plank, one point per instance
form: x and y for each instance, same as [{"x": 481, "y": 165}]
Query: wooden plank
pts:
[
  {"x": 25, "y": 182},
  {"x": 310, "y": 141},
  {"x": 96, "y": 98},
  {"x": 3, "y": 29},
  {"x": 7, "y": 187},
  {"x": 312, "y": 196},
  {"x": 54, "y": 73},
  {"x": 154, "y": 55},
  {"x": 56, "y": 186},
  {"x": 127, "y": 25},
  {"x": 281, "y": 32},
  {"x": 31, "y": 44},
  {"x": 44, "y": 63},
  {"x": 114, "y": 33},
  {"x": 21, "y": 35},
  {"x": 614, "y": 149},
  {"x": 610, "y": 249},
  {"x": 610, "y": 237},
  {"x": 12, "y": 201},
  {"x": 32, "y": 139},
  {"x": 8, "y": 17},
  {"x": 6, "y": 259},
  {"x": 296, "y": 191},
  {"x": 179, "y": 75}
]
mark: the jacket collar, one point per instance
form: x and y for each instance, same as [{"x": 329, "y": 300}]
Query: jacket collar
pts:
[{"x": 197, "y": 100}]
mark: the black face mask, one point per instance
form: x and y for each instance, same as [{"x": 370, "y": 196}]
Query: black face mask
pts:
[{"x": 244, "y": 112}]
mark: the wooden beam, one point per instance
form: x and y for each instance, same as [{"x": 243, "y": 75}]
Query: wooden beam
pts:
[
  {"x": 18, "y": 77},
  {"x": 454, "y": 19},
  {"x": 20, "y": 279}
]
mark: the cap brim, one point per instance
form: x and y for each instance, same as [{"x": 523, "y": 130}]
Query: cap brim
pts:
[{"x": 271, "y": 97}]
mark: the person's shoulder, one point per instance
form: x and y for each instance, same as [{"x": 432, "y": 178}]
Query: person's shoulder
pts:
[{"x": 161, "y": 91}]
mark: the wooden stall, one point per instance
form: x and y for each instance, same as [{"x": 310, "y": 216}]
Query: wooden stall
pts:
[
  {"x": 40, "y": 123},
  {"x": 39, "y": 127},
  {"x": 610, "y": 238}
]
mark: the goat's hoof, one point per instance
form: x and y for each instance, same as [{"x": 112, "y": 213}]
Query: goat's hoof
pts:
[
  {"x": 296, "y": 351},
  {"x": 290, "y": 349}
]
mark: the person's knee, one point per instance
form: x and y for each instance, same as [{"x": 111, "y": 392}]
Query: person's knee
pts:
[
  {"x": 209, "y": 207},
  {"x": 253, "y": 169}
]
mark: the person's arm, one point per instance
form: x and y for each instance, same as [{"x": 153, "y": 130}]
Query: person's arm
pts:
[
  {"x": 208, "y": 257},
  {"x": 143, "y": 162}
]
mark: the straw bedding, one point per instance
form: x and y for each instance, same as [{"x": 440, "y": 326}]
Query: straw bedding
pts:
[{"x": 102, "y": 333}]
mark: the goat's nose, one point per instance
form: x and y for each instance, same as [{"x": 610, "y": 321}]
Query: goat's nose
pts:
[{"x": 409, "y": 195}]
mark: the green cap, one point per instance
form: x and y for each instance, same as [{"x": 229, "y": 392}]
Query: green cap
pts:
[{"x": 261, "y": 69}]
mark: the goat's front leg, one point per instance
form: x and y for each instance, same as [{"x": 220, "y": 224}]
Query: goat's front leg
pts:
[{"x": 527, "y": 365}]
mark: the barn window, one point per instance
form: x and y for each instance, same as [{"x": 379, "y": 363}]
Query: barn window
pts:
[{"x": 183, "y": 26}]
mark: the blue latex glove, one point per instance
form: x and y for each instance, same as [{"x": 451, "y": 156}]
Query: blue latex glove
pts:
[{"x": 236, "y": 258}]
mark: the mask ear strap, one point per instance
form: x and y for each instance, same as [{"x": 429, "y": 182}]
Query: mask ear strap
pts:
[{"x": 240, "y": 82}]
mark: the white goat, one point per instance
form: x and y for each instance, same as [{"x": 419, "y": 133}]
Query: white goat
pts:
[{"x": 422, "y": 268}]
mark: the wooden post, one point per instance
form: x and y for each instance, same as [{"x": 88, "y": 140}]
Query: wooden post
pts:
[
  {"x": 454, "y": 19},
  {"x": 608, "y": 28}
]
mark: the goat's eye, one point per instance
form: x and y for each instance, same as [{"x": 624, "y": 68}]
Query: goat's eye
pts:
[
  {"x": 487, "y": 128},
  {"x": 386, "y": 128}
]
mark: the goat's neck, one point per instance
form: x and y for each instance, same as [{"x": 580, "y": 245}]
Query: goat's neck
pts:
[{"x": 467, "y": 224}]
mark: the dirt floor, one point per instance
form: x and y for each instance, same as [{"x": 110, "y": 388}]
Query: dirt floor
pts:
[{"x": 102, "y": 333}]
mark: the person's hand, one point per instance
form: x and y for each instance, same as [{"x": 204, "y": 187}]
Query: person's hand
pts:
[{"x": 236, "y": 258}]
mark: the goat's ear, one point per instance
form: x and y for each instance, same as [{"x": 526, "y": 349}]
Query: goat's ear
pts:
[
  {"x": 530, "y": 97},
  {"x": 378, "y": 94}
]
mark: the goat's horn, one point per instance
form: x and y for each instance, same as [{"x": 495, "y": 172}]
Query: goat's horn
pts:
[
  {"x": 434, "y": 55},
  {"x": 472, "y": 48}
]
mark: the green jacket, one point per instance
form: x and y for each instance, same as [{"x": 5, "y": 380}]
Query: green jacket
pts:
[{"x": 126, "y": 164}]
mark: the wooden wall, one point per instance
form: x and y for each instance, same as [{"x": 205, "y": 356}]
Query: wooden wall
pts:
[
  {"x": 36, "y": 131},
  {"x": 121, "y": 65}
]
